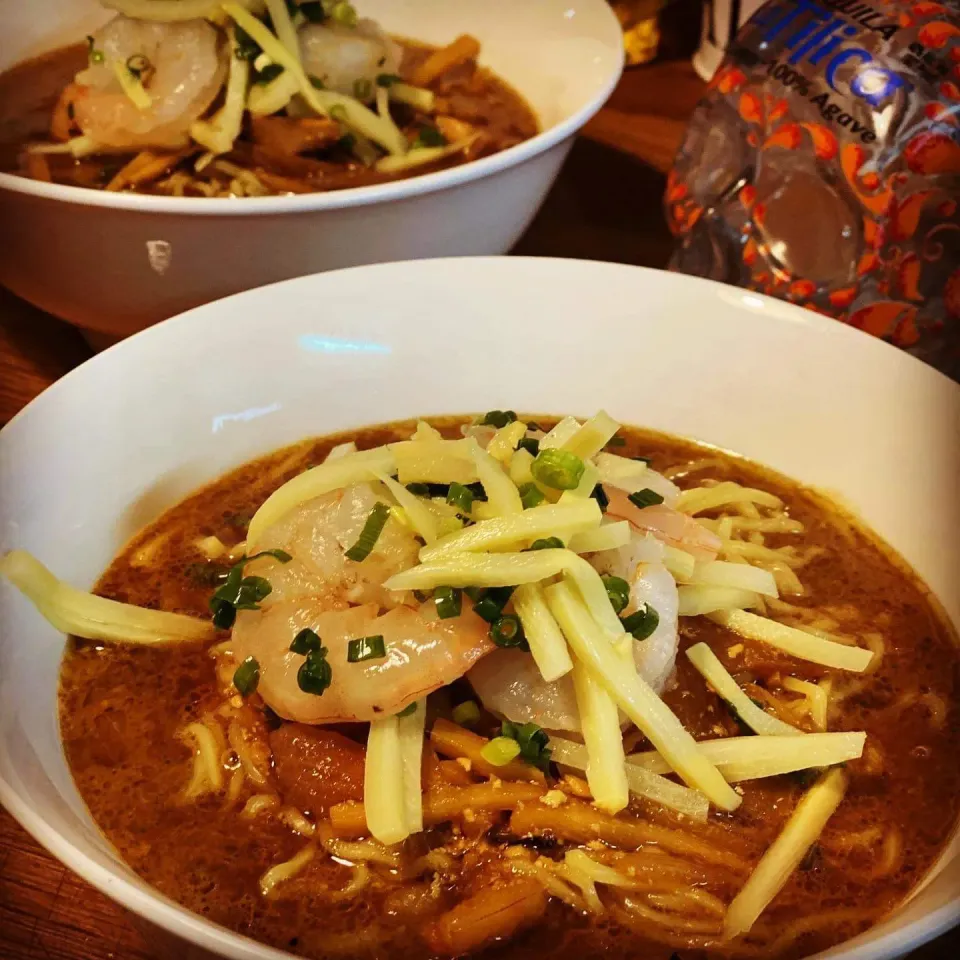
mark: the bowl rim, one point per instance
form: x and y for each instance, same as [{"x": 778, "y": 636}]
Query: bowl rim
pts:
[
  {"x": 118, "y": 882},
  {"x": 402, "y": 189}
]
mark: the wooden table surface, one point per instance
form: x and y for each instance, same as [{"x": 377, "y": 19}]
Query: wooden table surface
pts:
[{"x": 605, "y": 205}]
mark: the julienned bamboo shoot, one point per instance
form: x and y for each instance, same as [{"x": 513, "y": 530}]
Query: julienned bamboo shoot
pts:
[
  {"x": 640, "y": 780},
  {"x": 593, "y": 436},
  {"x": 714, "y": 672},
  {"x": 424, "y": 520},
  {"x": 795, "y": 642},
  {"x": 501, "y": 492},
  {"x": 637, "y": 700},
  {"x": 739, "y": 576},
  {"x": 515, "y": 528},
  {"x": 787, "y": 851},
  {"x": 753, "y": 758},
  {"x": 600, "y": 723},
  {"x": 384, "y": 798},
  {"x": 610, "y": 536},
  {"x": 434, "y": 461},
  {"x": 85, "y": 615},
  {"x": 410, "y": 729},
  {"x": 545, "y": 638},
  {"x": 697, "y": 600},
  {"x": 354, "y": 468}
]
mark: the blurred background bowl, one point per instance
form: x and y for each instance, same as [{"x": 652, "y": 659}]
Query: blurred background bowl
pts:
[{"x": 114, "y": 263}]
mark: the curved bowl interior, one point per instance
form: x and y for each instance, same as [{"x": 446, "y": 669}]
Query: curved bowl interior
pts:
[{"x": 111, "y": 445}]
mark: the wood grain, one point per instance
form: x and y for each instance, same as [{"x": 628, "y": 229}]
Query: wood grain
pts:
[{"x": 605, "y": 205}]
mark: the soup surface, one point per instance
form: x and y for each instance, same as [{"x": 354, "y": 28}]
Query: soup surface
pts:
[
  {"x": 404, "y": 108},
  {"x": 125, "y": 710}
]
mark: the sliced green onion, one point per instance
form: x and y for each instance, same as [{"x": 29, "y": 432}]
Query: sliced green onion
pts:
[
  {"x": 530, "y": 444},
  {"x": 366, "y": 648},
  {"x": 507, "y": 631},
  {"x": 493, "y": 418},
  {"x": 490, "y": 605},
  {"x": 466, "y": 713},
  {"x": 312, "y": 11},
  {"x": 600, "y": 495},
  {"x": 500, "y": 751},
  {"x": 247, "y": 676},
  {"x": 531, "y": 495},
  {"x": 269, "y": 73},
  {"x": 546, "y": 543},
  {"x": 138, "y": 64},
  {"x": 641, "y": 623},
  {"x": 344, "y": 13},
  {"x": 372, "y": 529},
  {"x": 245, "y": 47},
  {"x": 558, "y": 469},
  {"x": 242, "y": 593},
  {"x": 419, "y": 489},
  {"x": 618, "y": 590},
  {"x": 96, "y": 56},
  {"x": 316, "y": 82},
  {"x": 387, "y": 79},
  {"x": 532, "y": 740},
  {"x": 315, "y": 674},
  {"x": 449, "y": 602},
  {"x": 461, "y": 497},
  {"x": 475, "y": 593},
  {"x": 305, "y": 642},
  {"x": 408, "y": 710},
  {"x": 645, "y": 498}
]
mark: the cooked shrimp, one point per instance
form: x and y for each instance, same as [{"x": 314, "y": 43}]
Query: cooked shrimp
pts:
[
  {"x": 665, "y": 523},
  {"x": 318, "y": 588},
  {"x": 181, "y": 66},
  {"x": 508, "y": 681},
  {"x": 423, "y": 654},
  {"x": 348, "y": 59},
  {"x": 317, "y": 534}
]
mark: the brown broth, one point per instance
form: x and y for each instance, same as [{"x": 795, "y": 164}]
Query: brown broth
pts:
[{"x": 121, "y": 709}]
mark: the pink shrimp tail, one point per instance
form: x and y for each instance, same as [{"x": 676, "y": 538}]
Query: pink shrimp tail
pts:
[{"x": 666, "y": 524}]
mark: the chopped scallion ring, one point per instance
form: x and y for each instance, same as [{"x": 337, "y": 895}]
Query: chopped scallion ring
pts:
[
  {"x": 645, "y": 498},
  {"x": 531, "y": 495},
  {"x": 461, "y": 497},
  {"x": 493, "y": 418},
  {"x": 366, "y": 648},
  {"x": 305, "y": 642},
  {"x": 641, "y": 623},
  {"x": 618, "y": 590},
  {"x": 500, "y": 751},
  {"x": 372, "y": 529},
  {"x": 449, "y": 602},
  {"x": 466, "y": 713},
  {"x": 507, "y": 631},
  {"x": 315, "y": 674},
  {"x": 557, "y": 469},
  {"x": 247, "y": 676}
]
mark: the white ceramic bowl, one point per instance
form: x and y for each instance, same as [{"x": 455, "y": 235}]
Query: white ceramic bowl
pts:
[
  {"x": 132, "y": 431},
  {"x": 115, "y": 263}
]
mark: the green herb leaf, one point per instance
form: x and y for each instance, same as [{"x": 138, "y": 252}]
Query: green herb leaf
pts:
[
  {"x": 557, "y": 469},
  {"x": 546, "y": 543},
  {"x": 461, "y": 497},
  {"x": 247, "y": 676},
  {"x": 493, "y": 418},
  {"x": 531, "y": 495},
  {"x": 534, "y": 743},
  {"x": 270, "y": 72},
  {"x": 508, "y": 632},
  {"x": 315, "y": 674},
  {"x": 618, "y": 590},
  {"x": 387, "y": 79},
  {"x": 645, "y": 498},
  {"x": 449, "y": 602},
  {"x": 641, "y": 623},
  {"x": 372, "y": 529},
  {"x": 366, "y": 648},
  {"x": 305, "y": 641}
]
